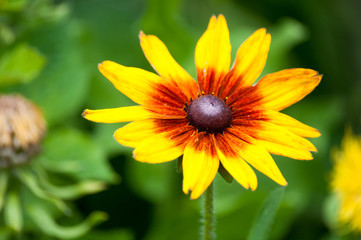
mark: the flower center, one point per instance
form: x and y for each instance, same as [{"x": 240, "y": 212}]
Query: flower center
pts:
[{"x": 209, "y": 114}]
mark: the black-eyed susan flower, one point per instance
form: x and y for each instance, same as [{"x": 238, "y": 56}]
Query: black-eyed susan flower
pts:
[
  {"x": 224, "y": 119},
  {"x": 346, "y": 180}
]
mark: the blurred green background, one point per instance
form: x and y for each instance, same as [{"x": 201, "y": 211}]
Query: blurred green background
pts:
[{"x": 49, "y": 51}]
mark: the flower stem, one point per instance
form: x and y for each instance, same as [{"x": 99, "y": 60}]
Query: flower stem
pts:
[{"x": 208, "y": 215}]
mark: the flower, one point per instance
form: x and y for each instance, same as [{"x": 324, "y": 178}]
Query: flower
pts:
[
  {"x": 223, "y": 121},
  {"x": 346, "y": 180}
]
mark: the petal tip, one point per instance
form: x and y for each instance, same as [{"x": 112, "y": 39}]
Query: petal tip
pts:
[
  {"x": 221, "y": 17},
  {"x": 103, "y": 64},
  {"x": 313, "y": 148},
  {"x": 115, "y": 136},
  {"x": 317, "y": 133},
  {"x": 318, "y": 76},
  {"x": 309, "y": 157},
  {"x": 261, "y": 32},
  {"x": 194, "y": 197},
  {"x": 141, "y": 35},
  {"x": 85, "y": 113},
  {"x": 185, "y": 190}
]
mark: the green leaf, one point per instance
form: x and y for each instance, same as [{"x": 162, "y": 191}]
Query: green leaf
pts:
[
  {"x": 180, "y": 164},
  {"x": 12, "y": 211},
  {"x": 225, "y": 174},
  {"x": 262, "y": 225},
  {"x": 20, "y": 65},
  {"x": 32, "y": 182},
  {"x": 7, "y": 35},
  {"x": 69, "y": 191},
  {"x": 48, "y": 225},
  {"x": 66, "y": 145},
  {"x": 3, "y": 185}
]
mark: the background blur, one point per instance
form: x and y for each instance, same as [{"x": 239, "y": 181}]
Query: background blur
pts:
[{"x": 49, "y": 51}]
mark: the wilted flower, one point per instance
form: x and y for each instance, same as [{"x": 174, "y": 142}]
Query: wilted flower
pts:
[
  {"x": 26, "y": 187},
  {"x": 22, "y": 127}
]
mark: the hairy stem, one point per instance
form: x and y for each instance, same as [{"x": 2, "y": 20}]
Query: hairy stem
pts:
[{"x": 208, "y": 215}]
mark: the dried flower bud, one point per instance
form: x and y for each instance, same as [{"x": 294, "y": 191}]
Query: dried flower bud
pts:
[{"x": 22, "y": 127}]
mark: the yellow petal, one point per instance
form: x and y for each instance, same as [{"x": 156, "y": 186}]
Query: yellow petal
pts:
[
  {"x": 115, "y": 115},
  {"x": 157, "y": 149},
  {"x": 292, "y": 124},
  {"x": 136, "y": 83},
  {"x": 285, "y": 150},
  {"x": 153, "y": 92},
  {"x": 134, "y": 133},
  {"x": 162, "y": 61},
  {"x": 278, "y": 140},
  {"x": 284, "y": 88},
  {"x": 200, "y": 165},
  {"x": 213, "y": 55},
  {"x": 256, "y": 155},
  {"x": 234, "y": 164},
  {"x": 250, "y": 61},
  {"x": 164, "y": 146}
]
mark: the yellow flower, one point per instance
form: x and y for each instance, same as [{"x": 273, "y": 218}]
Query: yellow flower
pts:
[
  {"x": 223, "y": 120},
  {"x": 346, "y": 180}
]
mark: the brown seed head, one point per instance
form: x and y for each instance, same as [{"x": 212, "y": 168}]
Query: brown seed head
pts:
[
  {"x": 22, "y": 127},
  {"x": 209, "y": 114}
]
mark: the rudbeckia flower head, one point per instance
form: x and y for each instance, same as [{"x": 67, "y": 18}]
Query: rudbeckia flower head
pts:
[
  {"x": 222, "y": 120},
  {"x": 346, "y": 180}
]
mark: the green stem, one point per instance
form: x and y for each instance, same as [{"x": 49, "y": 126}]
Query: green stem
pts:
[{"x": 208, "y": 215}]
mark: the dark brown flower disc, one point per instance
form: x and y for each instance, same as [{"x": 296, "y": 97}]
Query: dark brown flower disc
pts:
[{"x": 209, "y": 114}]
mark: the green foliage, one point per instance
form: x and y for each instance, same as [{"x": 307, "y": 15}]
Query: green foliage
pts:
[
  {"x": 263, "y": 223},
  {"x": 12, "y": 5},
  {"x": 46, "y": 223},
  {"x": 20, "y": 65},
  {"x": 63, "y": 82},
  {"x": 4, "y": 178},
  {"x": 12, "y": 212},
  {"x": 148, "y": 179},
  {"x": 71, "y": 151}
]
